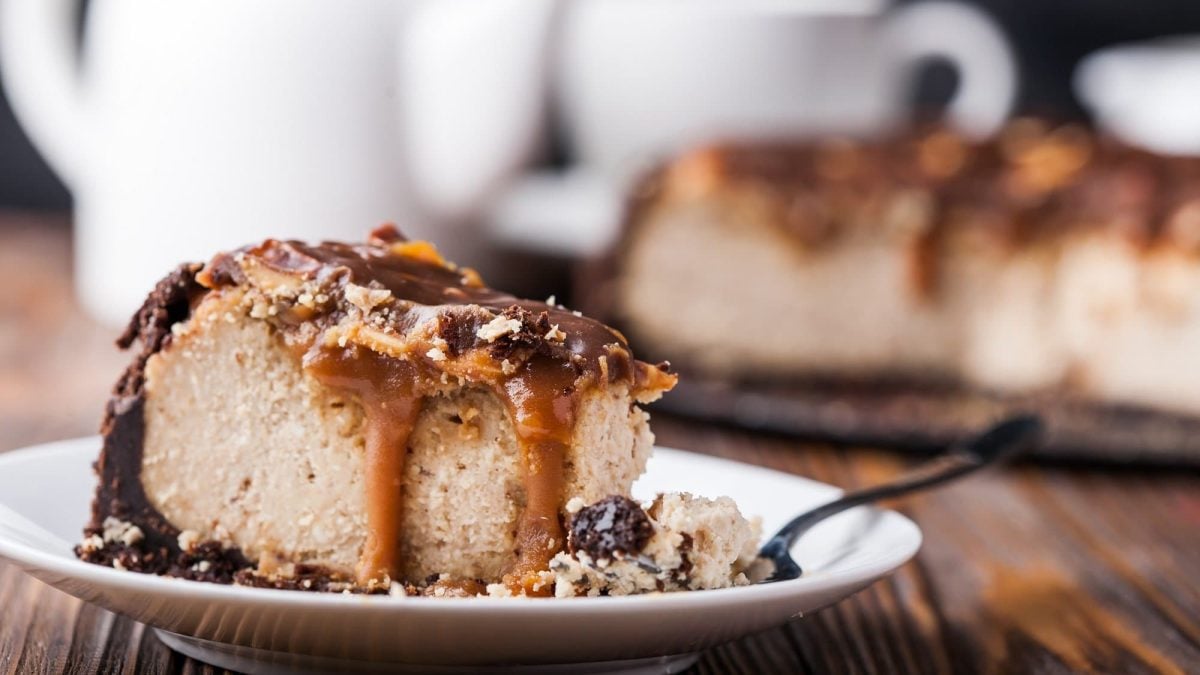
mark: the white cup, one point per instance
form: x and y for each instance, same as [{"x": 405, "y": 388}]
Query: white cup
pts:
[
  {"x": 641, "y": 78},
  {"x": 1146, "y": 93},
  {"x": 196, "y": 125}
]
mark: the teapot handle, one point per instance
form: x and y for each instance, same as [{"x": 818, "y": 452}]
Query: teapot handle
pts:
[
  {"x": 977, "y": 47},
  {"x": 38, "y": 58},
  {"x": 472, "y": 82}
]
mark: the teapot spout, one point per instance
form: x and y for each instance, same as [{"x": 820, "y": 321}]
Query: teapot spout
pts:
[{"x": 472, "y": 96}]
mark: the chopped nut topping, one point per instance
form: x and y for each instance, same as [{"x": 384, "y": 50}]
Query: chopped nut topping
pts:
[
  {"x": 555, "y": 335},
  {"x": 366, "y": 299},
  {"x": 498, "y": 328}
]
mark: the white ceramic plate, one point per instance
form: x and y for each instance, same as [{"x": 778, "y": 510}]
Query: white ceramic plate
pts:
[{"x": 45, "y": 493}]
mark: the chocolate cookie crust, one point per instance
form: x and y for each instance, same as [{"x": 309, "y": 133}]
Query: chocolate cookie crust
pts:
[{"x": 120, "y": 494}]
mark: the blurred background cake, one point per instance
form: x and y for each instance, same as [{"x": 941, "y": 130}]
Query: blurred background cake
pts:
[{"x": 1045, "y": 259}]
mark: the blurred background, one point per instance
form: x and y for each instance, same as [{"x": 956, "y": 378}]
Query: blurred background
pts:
[
  {"x": 1050, "y": 40},
  {"x": 516, "y": 134}
]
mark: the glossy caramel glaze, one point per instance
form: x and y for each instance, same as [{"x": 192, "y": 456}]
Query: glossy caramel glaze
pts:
[
  {"x": 390, "y": 323},
  {"x": 385, "y": 387}
]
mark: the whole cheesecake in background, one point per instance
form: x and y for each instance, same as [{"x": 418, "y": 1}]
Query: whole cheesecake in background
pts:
[
  {"x": 1044, "y": 260},
  {"x": 373, "y": 418}
]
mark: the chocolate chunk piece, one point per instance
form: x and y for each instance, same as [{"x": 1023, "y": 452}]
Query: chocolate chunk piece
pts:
[{"x": 612, "y": 525}]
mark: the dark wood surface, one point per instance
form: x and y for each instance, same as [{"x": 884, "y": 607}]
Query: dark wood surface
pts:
[{"x": 1037, "y": 568}]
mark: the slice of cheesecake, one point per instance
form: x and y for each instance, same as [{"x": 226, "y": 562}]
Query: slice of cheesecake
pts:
[
  {"x": 364, "y": 418},
  {"x": 1044, "y": 260}
]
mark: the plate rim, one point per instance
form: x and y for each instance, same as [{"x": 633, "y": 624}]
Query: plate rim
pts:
[{"x": 861, "y": 574}]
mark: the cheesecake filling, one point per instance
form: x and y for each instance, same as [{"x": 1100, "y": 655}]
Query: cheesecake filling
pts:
[{"x": 391, "y": 324}]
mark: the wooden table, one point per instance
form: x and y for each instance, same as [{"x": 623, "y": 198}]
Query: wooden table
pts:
[{"x": 1036, "y": 568}]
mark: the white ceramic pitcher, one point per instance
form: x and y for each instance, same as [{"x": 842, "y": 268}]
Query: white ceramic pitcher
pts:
[{"x": 186, "y": 126}]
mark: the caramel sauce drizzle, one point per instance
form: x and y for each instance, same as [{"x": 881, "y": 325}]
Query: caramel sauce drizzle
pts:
[
  {"x": 542, "y": 400},
  {"x": 386, "y": 389}
]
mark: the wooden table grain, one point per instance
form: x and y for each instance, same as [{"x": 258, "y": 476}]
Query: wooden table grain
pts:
[{"x": 1035, "y": 568}]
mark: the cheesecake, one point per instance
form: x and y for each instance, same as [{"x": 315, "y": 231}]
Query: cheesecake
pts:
[
  {"x": 373, "y": 418},
  {"x": 1044, "y": 260}
]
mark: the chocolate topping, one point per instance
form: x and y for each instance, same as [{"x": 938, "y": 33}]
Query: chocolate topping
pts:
[
  {"x": 530, "y": 335},
  {"x": 613, "y": 525},
  {"x": 1033, "y": 181},
  {"x": 430, "y": 288}
]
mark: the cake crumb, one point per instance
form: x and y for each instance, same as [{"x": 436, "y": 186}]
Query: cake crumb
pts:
[
  {"x": 695, "y": 543},
  {"x": 187, "y": 540},
  {"x": 436, "y": 354},
  {"x": 117, "y": 530},
  {"x": 132, "y": 536},
  {"x": 92, "y": 543},
  {"x": 259, "y": 310},
  {"x": 499, "y": 591}
]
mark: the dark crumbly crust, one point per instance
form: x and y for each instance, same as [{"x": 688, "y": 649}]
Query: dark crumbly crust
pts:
[
  {"x": 120, "y": 494},
  {"x": 305, "y": 578}
]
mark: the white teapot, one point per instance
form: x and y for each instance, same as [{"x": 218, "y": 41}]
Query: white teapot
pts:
[{"x": 186, "y": 126}]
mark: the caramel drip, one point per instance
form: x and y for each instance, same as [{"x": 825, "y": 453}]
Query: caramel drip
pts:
[
  {"x": 543, "y": 402},
  {"x": 542, "y": 399},
  {"x": 385, "y": 388}
]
